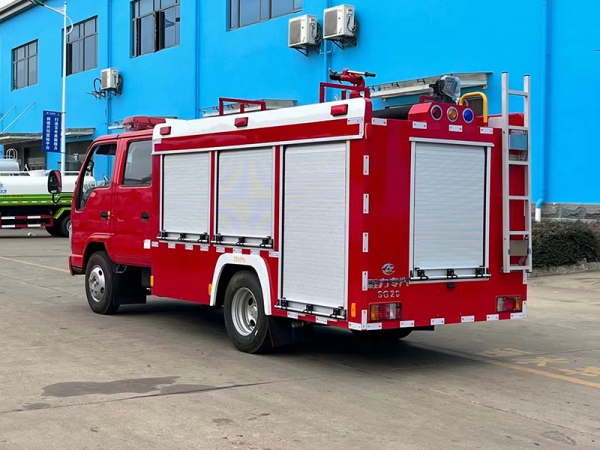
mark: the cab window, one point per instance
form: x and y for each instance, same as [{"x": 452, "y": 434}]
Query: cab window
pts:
[
  {"x": 98, "y": 172},
  {"x": 138, "y": 164}
]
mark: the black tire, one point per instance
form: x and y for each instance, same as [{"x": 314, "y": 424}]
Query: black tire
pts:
[
  {"x": 52, "y": 231},
  {"x": 256, "y": 339},
  {"x": 64, "y": 223},
  {"x": 100, "y": 265}
]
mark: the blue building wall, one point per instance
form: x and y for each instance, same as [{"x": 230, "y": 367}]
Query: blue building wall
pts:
[
  {"x": 398, "y": 40},
  {"x": 573, "y": 148}
]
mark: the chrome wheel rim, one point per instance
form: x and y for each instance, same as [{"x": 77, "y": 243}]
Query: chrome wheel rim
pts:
[
  {"x": 244, "y": 311},
  {"x": 97, "y": 284}
]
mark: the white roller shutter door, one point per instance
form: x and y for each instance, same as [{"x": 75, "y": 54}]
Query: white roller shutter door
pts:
[
  {"x": 186, "y": 193},
  {"x": 245, "y": 205},
  {"x": 314, "y": 225},
  {"x": 449, "y": 209}
]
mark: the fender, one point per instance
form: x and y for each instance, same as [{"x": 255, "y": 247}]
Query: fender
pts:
[
  {"x": 254, "y": 261},
  {"x": 77, "y": 259}
]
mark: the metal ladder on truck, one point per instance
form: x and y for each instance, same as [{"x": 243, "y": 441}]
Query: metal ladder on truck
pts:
[{"x": 516, "y": 162}]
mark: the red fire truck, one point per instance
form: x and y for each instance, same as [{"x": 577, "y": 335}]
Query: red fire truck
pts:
[{"x": 380, "y": 222}]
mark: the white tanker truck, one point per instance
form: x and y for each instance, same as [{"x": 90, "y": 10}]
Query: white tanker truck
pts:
[{"x": 25, "y": 202}]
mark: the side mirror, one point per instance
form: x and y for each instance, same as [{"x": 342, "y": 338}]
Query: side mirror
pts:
[{"x": 54, "y": 182}]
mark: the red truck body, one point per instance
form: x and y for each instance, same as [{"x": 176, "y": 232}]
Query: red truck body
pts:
[{"x": 317, "y": 214}]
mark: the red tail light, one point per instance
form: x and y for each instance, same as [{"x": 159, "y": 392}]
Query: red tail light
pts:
[
  {"x": 509, "y": 304},
  {"x": 241, "y": 122},
  {"x": 385, "y": 311},
  {"x": 436, "y": 112},
  {"x": 339, "y": 110}
]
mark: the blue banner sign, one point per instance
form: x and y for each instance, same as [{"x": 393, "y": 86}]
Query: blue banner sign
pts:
[{"x": 51, "y": 132}]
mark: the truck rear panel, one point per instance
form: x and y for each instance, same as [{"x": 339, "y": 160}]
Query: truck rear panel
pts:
[{"x": 433, "y": 229}]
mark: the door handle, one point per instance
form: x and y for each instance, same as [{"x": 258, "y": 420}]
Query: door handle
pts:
[
  {"x": 145, "y": 217},
  {"x": 104, "y": 215}
]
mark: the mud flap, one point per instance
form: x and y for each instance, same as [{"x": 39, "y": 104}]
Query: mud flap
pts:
[
  {"x": 128, "y": 288},
  {"x": 282, "y": 333}
]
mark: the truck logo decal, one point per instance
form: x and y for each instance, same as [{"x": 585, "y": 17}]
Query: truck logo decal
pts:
[
  {"x": 388, "y": 269},
  {"x": 2, "y": 190},
  {"x": 384, "y": 283}
]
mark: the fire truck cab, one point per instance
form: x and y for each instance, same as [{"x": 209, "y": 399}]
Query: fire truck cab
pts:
[{"x": 380, "y": 222}]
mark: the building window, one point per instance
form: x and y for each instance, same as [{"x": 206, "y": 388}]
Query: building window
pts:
[
  {"x": 82, "y": 47},
  {"x": 25, "y": 65},
  {"x": 247, "y": 12},
  {"x": 156, "y": 25}
]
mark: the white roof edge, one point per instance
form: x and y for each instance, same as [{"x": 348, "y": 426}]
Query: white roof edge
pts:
[
  {"x": 79, "y": 132},
  {"x": 421, "y": 85},
  {"x": 10, "y": 8},
  {"x": 16, "y": 137}
]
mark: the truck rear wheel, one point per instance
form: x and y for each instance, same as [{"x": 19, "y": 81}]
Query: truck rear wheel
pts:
[
  {"x": 64, "y": 225},
  {"x": 245, "y": 319},
  {"x": 52, "y": 231},
  {"x": 100, "y": 283},
  {"x": 61, "y": 227}
]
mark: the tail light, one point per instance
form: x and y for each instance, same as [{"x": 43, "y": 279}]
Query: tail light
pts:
[
  {"x": 468, "y": 115},
  {"x": 452, "y": 114},
  {"x": 241, "y": 122},
  {"x": 385, "y": 311},
  {"x": 339, "y": 110},
  {"x": 509, "y": 304},
  {"x": 436, "y": 112}
]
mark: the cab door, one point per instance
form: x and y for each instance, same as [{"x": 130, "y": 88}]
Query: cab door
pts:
[
  {"x": 90, "y": 216},
  {"x": 131, "y": 219}
]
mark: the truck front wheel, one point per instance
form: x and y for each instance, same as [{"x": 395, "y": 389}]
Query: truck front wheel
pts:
[
  {"x": 100, "y": 284},
  {"x": 245, "y": 319}
]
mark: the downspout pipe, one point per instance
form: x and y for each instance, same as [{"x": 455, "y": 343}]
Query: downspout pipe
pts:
[
  {"x": 197, "y": 73},
  {"x": 546, "y": 30},
  {"x": 109, "y": 43}
]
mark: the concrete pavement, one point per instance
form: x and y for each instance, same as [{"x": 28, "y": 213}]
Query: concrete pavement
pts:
[{"x": 164, "y": 375}]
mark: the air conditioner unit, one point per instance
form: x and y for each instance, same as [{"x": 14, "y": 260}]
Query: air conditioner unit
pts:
[
  {"x": 110, "y": 79},
  {"x": 302, "y": 31},
  {"x": 339, "y": 22}
]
